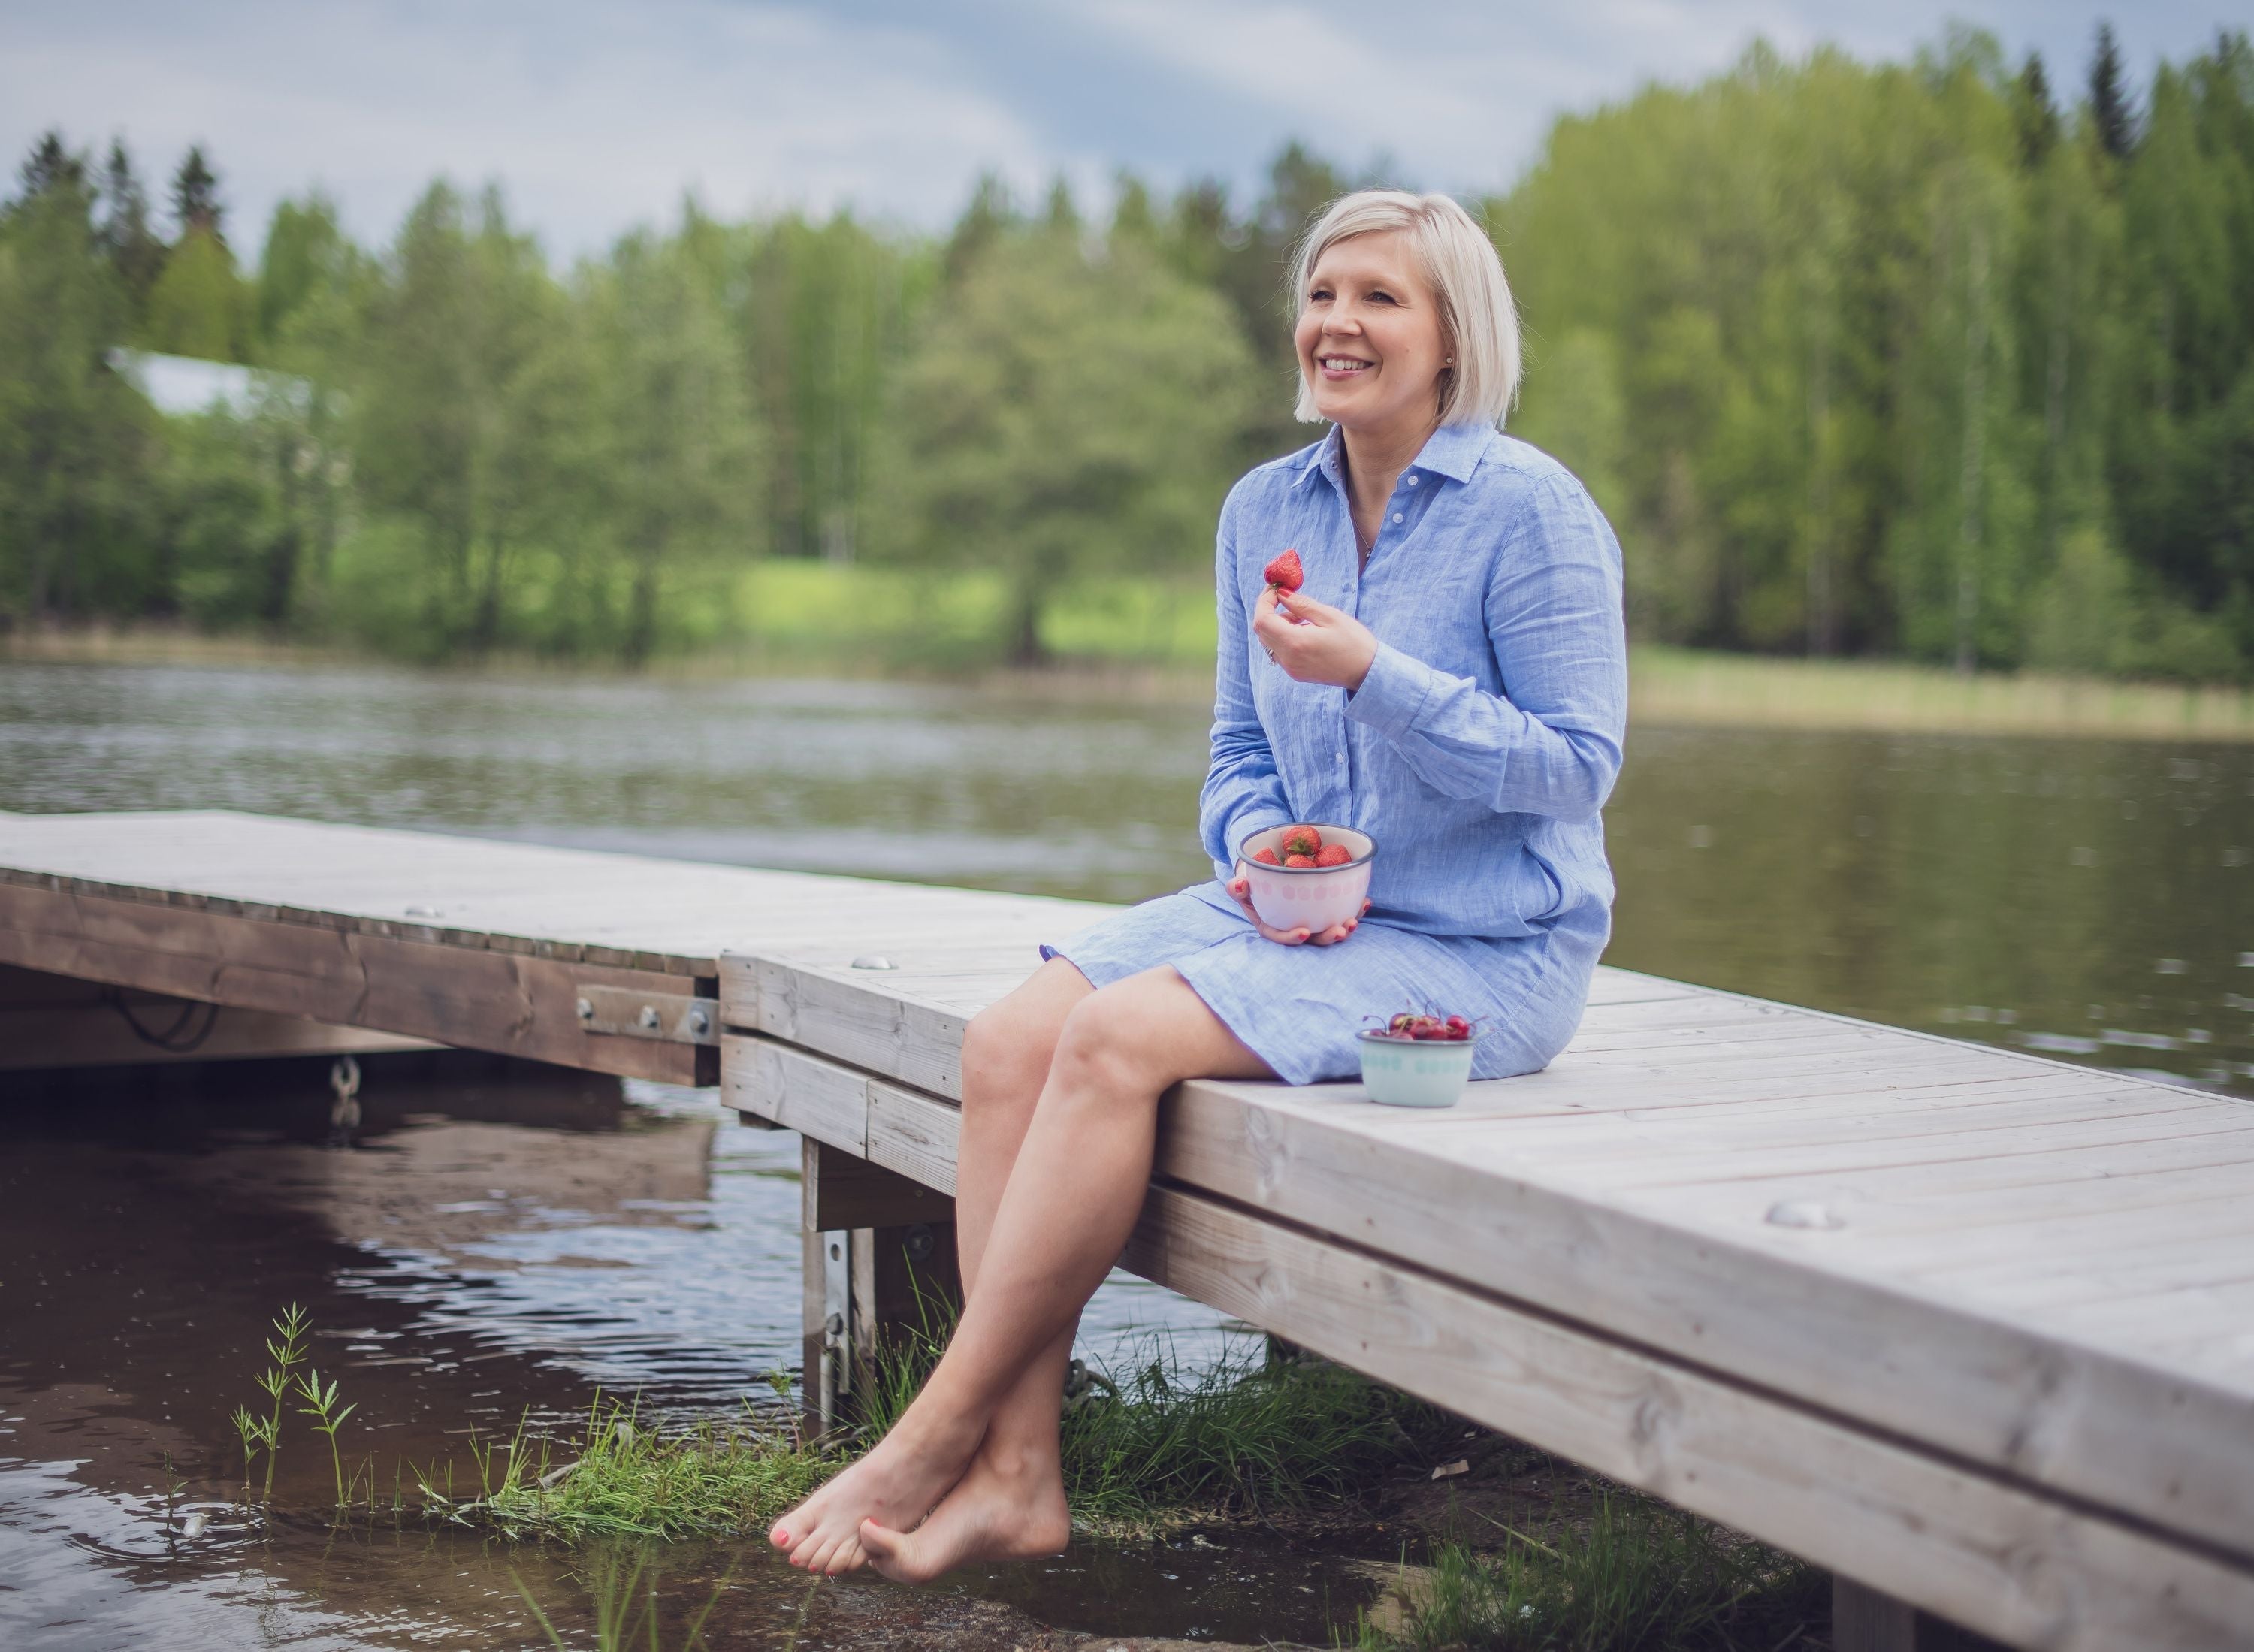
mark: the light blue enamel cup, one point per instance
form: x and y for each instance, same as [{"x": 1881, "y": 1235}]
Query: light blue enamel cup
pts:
[{"x": 1416, "y": 1072}]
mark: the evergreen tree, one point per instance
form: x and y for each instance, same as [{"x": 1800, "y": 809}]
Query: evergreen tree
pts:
[
  {"x": 195, "y": 195},
  {"x": 2035, "y": 114},
  {"x": 135, "y": 250},
  {"x": 2111, "y": 110},
  {"x": 50, "y": 164},
  {"x": 989, "y": 213}
]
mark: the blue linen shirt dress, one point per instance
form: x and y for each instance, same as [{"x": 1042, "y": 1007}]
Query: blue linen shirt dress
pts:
[{"x": 1478, "y": 752}]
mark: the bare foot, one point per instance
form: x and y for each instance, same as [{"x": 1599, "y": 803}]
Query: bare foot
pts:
[
  {"x": 894, "y": 1485},
  {"x": 991, "y": 1515}
]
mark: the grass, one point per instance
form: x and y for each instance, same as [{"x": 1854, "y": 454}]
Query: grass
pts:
[
  {"x": 624, "y": 1479},
  {"x": 1152, "y": 640},
  {"x": 1635, "y": 1577},
  {"x": 1149, "y": 1443},
  {"x": 1688, "y": 686}
]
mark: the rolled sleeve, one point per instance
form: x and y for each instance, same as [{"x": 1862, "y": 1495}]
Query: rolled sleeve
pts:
[{"x": 1392, "y": 692}]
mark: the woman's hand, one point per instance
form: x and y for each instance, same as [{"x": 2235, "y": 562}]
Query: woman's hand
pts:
[
  {"x": 1241, "y": 887},
  {"x": 1329, "y": 645}
]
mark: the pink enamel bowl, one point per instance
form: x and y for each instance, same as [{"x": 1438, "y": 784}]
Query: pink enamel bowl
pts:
[{"x": 1308, "y": 897}]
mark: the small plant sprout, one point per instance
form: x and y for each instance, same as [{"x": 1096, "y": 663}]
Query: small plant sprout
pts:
[
  {"x": 252, "y": 1432},
  {"x": 287, "y": 1350},
  {"x": 321, "y": 1405}
]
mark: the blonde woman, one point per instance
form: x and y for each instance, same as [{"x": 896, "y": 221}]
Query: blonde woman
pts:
[{"x": 1450, "y": 679}]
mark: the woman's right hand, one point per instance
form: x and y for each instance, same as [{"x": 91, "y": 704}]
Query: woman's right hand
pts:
[{"x": 1241, "y": 888}]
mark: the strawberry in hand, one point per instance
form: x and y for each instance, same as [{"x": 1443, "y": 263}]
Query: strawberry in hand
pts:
[{"x": 1284, "y": 572}]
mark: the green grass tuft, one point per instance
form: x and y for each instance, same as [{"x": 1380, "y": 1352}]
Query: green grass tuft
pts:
[
  {"x": 623, "y": 1479},
  {"x": 1638, "y": 1577}
]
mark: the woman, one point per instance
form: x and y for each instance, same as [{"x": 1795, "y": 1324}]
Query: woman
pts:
[{"x": 1452, "y": 679}]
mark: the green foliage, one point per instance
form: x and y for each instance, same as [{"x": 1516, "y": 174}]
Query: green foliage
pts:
[
  {"x": 1065, "y": 415},
  {"x": 79, "y": 448},
  {"x": 624, "y": 1479},
  {"x": 201, "y": 306},
  {"x": 1888, "y": 339},
  {"x": 1914, "y": 359},
  {"x": 1634, "y": 1577}
]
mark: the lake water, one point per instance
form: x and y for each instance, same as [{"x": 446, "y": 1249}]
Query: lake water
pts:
[{"x": 507, "y": 1241}]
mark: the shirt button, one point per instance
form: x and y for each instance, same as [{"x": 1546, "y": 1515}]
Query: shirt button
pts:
[
  {"x": 1396, "y": 515},
  {"x": 1412, "y": 481}
]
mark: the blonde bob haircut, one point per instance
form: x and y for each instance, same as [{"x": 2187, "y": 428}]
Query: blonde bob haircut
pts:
[{"x": 1479, "y": 321}]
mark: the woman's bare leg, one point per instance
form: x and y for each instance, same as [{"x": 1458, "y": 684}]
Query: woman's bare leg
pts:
[
  {"x": 1070, "y": 1202},
  {"x": 1006, "y": 1052}
]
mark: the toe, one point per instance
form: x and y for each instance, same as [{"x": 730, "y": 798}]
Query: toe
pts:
[
  {"x": 815, "y": 1555},
  {"x": 846, "y": 1557}
]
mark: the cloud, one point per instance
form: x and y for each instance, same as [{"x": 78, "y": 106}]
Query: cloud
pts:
[
  {"x": 598, "y": 114},
  {"x": 594, "y": 116}
]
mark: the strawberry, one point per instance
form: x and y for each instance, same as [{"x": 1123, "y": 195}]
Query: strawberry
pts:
[
  {"x": 1333, "y": 855},
  {"x": 1266, "y": 856},
  {"x": 1298, "y": 860},
  {"x": 1285, "y": 573},
  {"x": 1301, "y": 840}
]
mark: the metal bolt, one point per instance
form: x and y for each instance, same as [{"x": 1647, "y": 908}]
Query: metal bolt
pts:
[
  {"x": 586, "y": 1011},
  {"x": 921, "y": 1241},
  {"x": 648, "y": 1016},
  {"x": 698, "y": 1021}
]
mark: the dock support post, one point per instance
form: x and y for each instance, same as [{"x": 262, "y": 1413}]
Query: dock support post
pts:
[{"x": 879, "y": 1264}]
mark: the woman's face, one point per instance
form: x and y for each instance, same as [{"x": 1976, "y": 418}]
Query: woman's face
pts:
[{"x": 1369, "y": 340}]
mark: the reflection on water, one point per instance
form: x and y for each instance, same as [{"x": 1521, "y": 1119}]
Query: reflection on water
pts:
[{"x": 508, "y": 1240}]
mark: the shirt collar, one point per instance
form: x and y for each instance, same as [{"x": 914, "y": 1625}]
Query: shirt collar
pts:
[
  {"x": 1323, "y": 458},
  {"x": 1453, "y": 450}
]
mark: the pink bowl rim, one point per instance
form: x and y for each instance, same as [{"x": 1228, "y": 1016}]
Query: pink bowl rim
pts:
[{"x": 1362, "y": 859}]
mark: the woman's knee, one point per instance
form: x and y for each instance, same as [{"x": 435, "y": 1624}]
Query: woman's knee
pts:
[
  {"x": 1006, "y": 1051},
  {"x": 1110, "y": 1038}
]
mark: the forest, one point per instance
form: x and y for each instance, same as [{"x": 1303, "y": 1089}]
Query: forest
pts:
[{"x": 1938, "y": 359}]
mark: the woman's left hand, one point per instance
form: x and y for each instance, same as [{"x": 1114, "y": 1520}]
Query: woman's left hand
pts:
[{"x": 1329, "y": 645}]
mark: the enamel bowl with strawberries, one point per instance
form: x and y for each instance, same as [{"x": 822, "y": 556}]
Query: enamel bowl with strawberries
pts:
[
  {"x": 1308, "y": 876},
  {"x": 1419, "y": 1060}
]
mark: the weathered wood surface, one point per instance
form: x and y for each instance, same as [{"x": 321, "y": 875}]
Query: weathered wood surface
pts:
[
  {"x": 483, "y": 945},
  {"x": 51, "y": 1021},
  {"x": 2006, "y": 1374}
]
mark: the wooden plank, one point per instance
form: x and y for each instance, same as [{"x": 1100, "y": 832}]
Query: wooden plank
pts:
[
  {"x": 97, "y": 1035},
  {"x": 827, "y": 1105},
  {"x": 1990, "y": 1553},
  {"x": 1774, "y": 1306},
  {"x": 914, "y": 1134},
  {"x": 840, "y": 1190},
  {"x": 505, "y": 1002},
  {"x": 1998, "y": 1557}
]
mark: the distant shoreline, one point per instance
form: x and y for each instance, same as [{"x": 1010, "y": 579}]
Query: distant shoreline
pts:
[{"x": 1669, "y": 688}]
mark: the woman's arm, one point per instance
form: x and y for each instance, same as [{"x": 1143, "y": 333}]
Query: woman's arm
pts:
[
  {"x": 1550, "y": 743},
  {"x": 1243, "y": 793}
]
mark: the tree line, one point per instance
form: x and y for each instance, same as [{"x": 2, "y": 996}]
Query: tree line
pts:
[{"x": 1922, "y": 359}]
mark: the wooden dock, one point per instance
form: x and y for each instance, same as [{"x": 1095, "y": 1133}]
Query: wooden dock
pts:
[{"x": 1973, "y": 1328}]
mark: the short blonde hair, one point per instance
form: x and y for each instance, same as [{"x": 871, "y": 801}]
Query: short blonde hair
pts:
[{"x": 1478, "y": 319}]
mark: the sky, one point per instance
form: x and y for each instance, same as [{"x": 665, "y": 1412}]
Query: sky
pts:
[{"x": 598, "y": 116}]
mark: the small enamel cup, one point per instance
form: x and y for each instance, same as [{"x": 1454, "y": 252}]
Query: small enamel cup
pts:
[
  {"x": 1416, "y": 1072},
  {"x": 1308, "y": 897}
]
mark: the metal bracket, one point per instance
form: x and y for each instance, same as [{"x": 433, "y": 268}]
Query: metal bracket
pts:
[{"x": 667, "y": 1017}]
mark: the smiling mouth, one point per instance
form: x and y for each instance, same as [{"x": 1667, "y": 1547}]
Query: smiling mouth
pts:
[{"x": 1342, "y": 363}]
